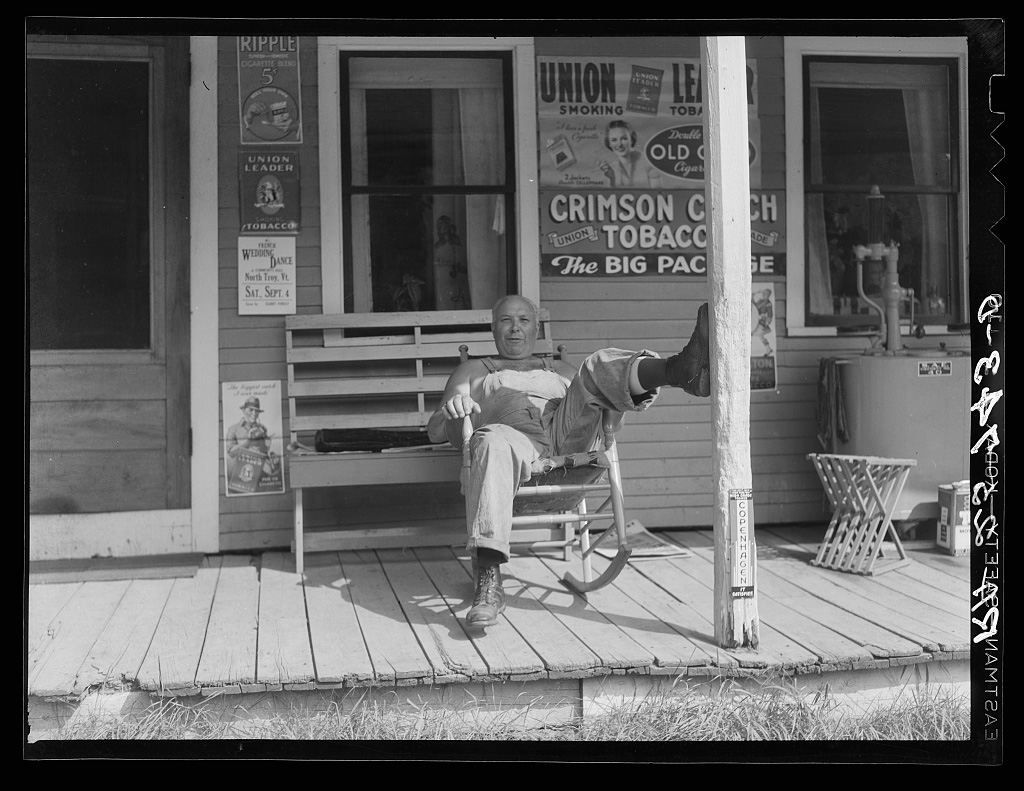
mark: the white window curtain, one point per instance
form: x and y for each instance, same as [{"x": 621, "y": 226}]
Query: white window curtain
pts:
[
  {"x": 451, "y": 270},
  {"x": 483, "y": 146},
  {"x": 468, "y": 149},
  {"x": 927, "y": 112},
  {"x": 819, "y": 276}
]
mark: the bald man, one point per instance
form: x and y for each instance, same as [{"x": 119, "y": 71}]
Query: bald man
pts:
[{"x": 528, "y": 409}]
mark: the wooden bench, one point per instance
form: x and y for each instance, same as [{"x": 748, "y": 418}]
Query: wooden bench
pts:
[{"x": 378, "y": 371}]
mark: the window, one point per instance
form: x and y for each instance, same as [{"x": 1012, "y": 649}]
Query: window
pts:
[
  {"x": 426, "y": 173},
  {"x": 420, "y": 202},
  {"x": 88, "y": 170},
  {"x": 882, "y": 172}
]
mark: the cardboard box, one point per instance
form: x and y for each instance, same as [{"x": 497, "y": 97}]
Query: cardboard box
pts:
[{"x": 953, "y": 532}]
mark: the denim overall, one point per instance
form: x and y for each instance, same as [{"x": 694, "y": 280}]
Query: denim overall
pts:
[{"x": 529, "y": 416}]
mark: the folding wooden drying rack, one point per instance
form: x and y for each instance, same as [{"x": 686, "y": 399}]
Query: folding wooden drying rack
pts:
[{"x": 863, "y": 492}]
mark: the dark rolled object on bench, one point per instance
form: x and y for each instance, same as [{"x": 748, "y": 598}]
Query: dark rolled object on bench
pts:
[{"x": 335, "y": 440}]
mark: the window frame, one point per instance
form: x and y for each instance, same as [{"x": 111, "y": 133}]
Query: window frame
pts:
[
  {"x": 796, "y": 48},
  {"x": 73, "y": 48},
  {"x": 524, "y": 125}
]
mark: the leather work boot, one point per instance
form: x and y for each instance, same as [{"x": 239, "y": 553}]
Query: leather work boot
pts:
[
  {"x": 489, "y": 601},
  {"x": 691, "y": 368}
]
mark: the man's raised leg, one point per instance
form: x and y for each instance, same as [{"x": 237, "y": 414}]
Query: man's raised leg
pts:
[{"x": 690, "y": 369}]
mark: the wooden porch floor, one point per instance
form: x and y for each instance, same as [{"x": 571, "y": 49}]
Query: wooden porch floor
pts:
[{"x": 393, "y": 617}]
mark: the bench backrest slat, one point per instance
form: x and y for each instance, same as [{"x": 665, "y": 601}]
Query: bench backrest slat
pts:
[
  {"x": 433, "y": 318},
  {"x": 405, "y": 351},
  {"x": 326, "y": 388}
]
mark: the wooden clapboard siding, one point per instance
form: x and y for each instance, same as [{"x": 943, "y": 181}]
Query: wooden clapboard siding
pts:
[
  {"x": 645, "y": 313},
  {"x": 665, "y": 450},
  {"x": 252, "y": 348},
  {"x": 642, "y": 312},
  {"x": 375, "y": 506}
]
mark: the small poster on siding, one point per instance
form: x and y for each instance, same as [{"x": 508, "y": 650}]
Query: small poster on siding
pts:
[
  {"x": 269, "y": 99},
  {"x": 269, "y": 191},
  {"x": 253, "y": 444},
  {"x": 763, "y": 340},
  {"x": 266, "y": 275}
]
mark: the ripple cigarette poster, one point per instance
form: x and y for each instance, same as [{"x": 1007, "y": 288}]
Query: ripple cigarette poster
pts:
[
  {"x": 253, "y": 443},
  {"x": 269, "y": 101},
  {"x": 266, "y": 275}
]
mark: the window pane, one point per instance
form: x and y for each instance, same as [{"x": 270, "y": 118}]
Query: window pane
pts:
[
  {"x": 88, "y": 197},
  {"x": 888, "y": 124},
  {"x": 863, "y": 137},
  {"x": 421, "y": 247},
  {"x": 427, "y": 166},
  {"x": 838, "y": 224},
  {"x": 421, "y": 121},
  {"x": 885, "y": 125}
]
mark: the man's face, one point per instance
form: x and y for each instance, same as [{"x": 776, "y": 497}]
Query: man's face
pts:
[
  {"x": 250, "y": 414},
  {"x": 515, "y": 329}
]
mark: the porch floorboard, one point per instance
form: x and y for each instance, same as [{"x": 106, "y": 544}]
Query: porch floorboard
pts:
[{"x": 393, "y": 617}]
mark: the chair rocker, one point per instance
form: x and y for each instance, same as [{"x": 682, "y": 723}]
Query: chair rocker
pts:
[{"x": 555, "y": 501}]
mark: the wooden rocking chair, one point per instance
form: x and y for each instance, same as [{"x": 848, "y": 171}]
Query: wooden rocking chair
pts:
[{"x": 550, "y": 510}]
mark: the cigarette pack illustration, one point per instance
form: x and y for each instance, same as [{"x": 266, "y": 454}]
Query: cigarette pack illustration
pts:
[
  {"x": 247, "y": 471},
  {"x": 279, "y": 114},
  {"x": 644, "y": 90},
  {"x": 561, "y": 152}
]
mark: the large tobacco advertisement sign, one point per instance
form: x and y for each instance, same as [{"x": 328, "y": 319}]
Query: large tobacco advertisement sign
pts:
[{"x": 622, "y": 170}]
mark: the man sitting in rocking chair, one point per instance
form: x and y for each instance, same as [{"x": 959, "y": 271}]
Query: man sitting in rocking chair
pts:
[{"x": 527, "y": 409}]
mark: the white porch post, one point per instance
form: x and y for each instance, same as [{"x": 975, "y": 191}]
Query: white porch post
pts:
[
  {"x": 727, "y": 202},
  {"x": 204, "y": 356}
]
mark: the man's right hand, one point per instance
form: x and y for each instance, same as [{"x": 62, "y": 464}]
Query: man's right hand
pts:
[{"x": 459, "y": 406}]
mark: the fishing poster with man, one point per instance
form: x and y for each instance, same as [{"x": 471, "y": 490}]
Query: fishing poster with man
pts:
[{"x": 253, "y": 443}]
